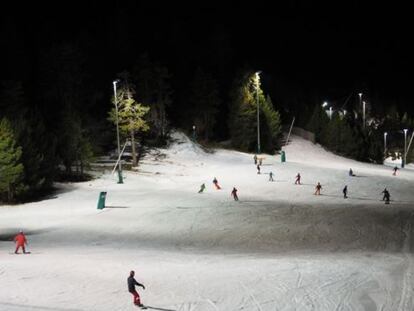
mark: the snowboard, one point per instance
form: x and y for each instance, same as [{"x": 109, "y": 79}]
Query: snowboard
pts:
[{"x": 20, "y": 253}]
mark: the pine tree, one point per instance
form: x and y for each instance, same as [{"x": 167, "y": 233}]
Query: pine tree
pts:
[
  {"x": 204, "y": 102},
  {"x": 130, "y": 116},
  {"x": 162, "y": 100},
  {"x": 70, "y": 133},
  {"x": 38, "y": 147},
  {"x": 11, "y": 168},
  {"x": 38, "y": 156},
  {"x": 242, "y": 113},
  {"x": 318, "y": 123},
  {"x": 270, "y": 136},
  {"x": 153, "y": 89}
]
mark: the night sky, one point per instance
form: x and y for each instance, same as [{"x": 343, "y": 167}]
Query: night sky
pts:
[{"x": 311, "y": 52}]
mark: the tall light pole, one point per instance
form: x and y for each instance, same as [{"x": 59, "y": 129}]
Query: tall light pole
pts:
[
  {"x": 330, "y": 109},
  {"x": 363, "y": 113},
  {"x": 120, "y": 179},
  {"x": 385, "y": 145},
  {"x": 405, "y": 146},
  {"x": 194, "y": 132},
  {"x": 258, "y": 110}
]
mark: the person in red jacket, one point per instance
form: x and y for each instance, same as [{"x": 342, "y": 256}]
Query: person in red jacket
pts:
[
  {"x": 215, "y": 182},
  {"x": 21, "y": 241}
]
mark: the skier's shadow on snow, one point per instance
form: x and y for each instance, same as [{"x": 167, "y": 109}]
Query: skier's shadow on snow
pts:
[
  {"x": 302, "y": 184},
  {"x": 350, "y": 198},
  {"x": 31, "y": 307},
  {"x": 160, "y": 309},
  {"x": 116, "y": 206},
  {"x": 9, "y": 234}
]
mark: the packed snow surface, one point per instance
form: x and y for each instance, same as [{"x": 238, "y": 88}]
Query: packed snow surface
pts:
[{"x": 279, "y": 248}]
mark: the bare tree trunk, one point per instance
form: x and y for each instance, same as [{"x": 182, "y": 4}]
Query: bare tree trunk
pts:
[
  {"x": 163, "y": 123},
  {"x": 134, "y": 154}
]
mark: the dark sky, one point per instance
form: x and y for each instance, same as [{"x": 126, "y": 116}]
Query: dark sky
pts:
[{"x": 331, "y": 48}]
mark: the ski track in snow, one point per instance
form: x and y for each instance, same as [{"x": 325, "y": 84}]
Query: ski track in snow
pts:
[{"x": 278, "y": 248}]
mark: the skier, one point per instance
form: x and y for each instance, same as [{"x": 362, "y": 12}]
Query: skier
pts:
[
  {"x": 297, "y": 181},
  {"x": 20, "y": 240},
  {"x": 345, "y": 192},
  {"x": 234, "y": 194},
  {"x": 318, "y": 189},
  {"x": 255, "y": 159},
  {"x": 395, "y": 170},
  {"x": 202, "y": 187},
  {"x": 260, "y": 161},
  {"x": 351, "y": 173},
  {"x": 384, "y": 192},
  {"x": 386, "y": 196},
  {"x": 258, "y": 169},
  {"x": 131, "y": 288},
  {"x": 270, "y": 176},
  {"x": 215, "y": 182}
]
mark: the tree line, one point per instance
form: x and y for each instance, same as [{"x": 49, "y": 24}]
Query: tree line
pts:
[
  {"x": 53, "y": 126},
  {"x": 344, "y": 133}
]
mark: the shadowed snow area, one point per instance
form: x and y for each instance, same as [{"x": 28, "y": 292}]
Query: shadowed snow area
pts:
[{"x": 279, "y": 248}]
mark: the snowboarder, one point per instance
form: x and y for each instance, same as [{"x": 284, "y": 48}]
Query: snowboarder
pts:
[
  {"x": 318, "y": 189},
  {"x": 270, "y": 176},
  {"x": 297, "y": 181},
  {"x": 215, "y": 182},
  {"x": 131, "y": 288},
  {"x": 351, "y": 173},
  {"x": 255, "y": 159},
  {"x": 345, "y": 192},
  {"x": 395, "y": 170},
  {"x": 386, "y": 196},
  {"x": 202, "y": 187},
  {"x": 258, "y": 169},
  {"x": 234, "y": 194},
  {"x": 21, "y": 241}
]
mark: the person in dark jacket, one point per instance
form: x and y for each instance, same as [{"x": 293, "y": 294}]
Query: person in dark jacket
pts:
[
  {"x": 258, "y": 169},
  {"x": 385, "y": 193},
  {"x": 255, "y": 159},
  {"x": 345, "y": 192},
  {"x": 297, "y": 181},
  {"x": 202, "y": 187},
  {"x": 234, "y": 194},
  {"x": 131, "y": 288},
  {"x": 271, "y": 176},
  {"x": 318, "y": 189},
  {"x": 386, "y": 196},
  {"x": 395, "y": 170}
]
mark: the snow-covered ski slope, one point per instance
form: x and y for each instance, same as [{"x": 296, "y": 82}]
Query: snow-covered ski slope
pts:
[{"x": 279, "y": 248}]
